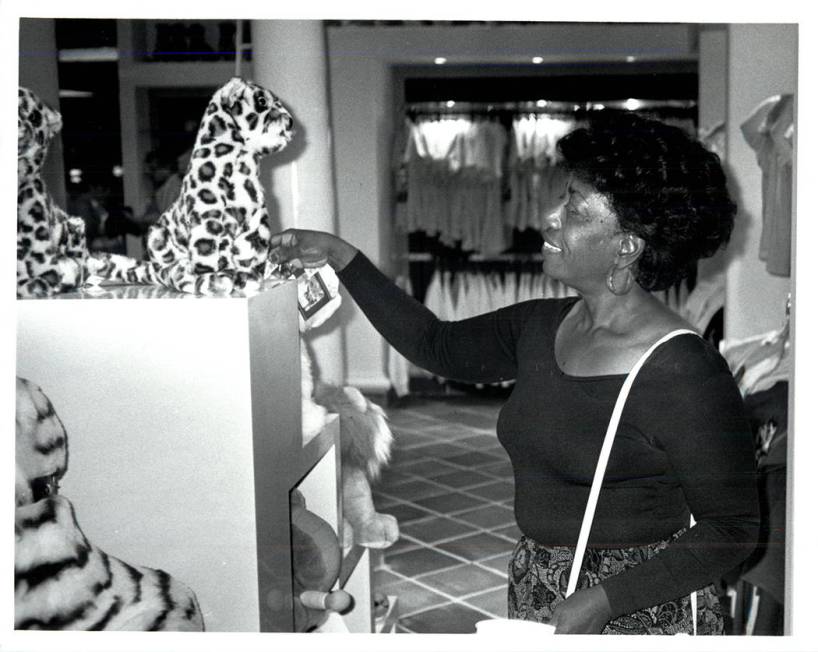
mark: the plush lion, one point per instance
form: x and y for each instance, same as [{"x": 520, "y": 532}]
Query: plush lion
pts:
[{"x": 365, "y": 437}]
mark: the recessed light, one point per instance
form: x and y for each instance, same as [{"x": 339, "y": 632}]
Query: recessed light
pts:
[
  {"x": 536, "y": 59},
  {"x": 440, "y": 60}
]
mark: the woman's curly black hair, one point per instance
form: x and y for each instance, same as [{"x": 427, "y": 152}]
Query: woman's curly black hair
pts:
[{"x": 663, "y": 185}]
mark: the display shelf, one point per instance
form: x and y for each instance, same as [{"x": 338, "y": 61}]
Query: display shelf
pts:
[
  {"x": 358, "y": 583},
  {"x": 184, "y": 426},
  {"x": 387, "y": 623},
  {"x": 352, "y": 557}
]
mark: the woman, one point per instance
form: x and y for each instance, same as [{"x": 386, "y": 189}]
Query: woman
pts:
[{"x": 643, "y": 202}]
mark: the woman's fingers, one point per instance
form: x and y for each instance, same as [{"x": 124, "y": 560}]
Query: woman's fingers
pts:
[{"x": 297, "y": 248}]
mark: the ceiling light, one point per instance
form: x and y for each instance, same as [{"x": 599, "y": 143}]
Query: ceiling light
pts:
[
  {"x": 536, "y": 59},
  {"x": 440, "y": 60},
  {"x": 69, "y": 93},
  {"x": 542, "y": 103},
  {"x": 450, "y": 103},
  {"x": 630, "y": 58},
  {"x": 69, "y": 55},
  {"x": 631, "y": 104}
]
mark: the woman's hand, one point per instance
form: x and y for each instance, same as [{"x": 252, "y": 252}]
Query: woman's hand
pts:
[
  {"x": 303, "y": 248},
  {"x": 583, "y": 612}
]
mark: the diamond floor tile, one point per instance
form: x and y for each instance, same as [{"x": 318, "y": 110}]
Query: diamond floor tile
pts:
[
  {"x": 476, "y": 546},
  {"x": 413, "y": 597},
  {"x": 450, "y": 503},
  {"x": 419, "y": 561},
  {"x": 436, "y": 528},
  {"x": 452, "y": 618},
  {"x": 494, "y": 601},
  {"x": 488, "y": 516},
  {"x": 463, "y": 580}
]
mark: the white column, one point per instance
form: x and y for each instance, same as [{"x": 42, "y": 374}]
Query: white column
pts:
[
  {"x": 289, "y": 58},
  {"x": 713, "y": 111}
]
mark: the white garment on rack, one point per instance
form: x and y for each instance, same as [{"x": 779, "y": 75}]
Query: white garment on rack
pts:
[
  {"x": 448, "y": 293},
  {"x": 397, "y": 365},
  {"x": 453, "y": 181},
  {"x": 434, "y": 295},
  {"x": 759, "y": 361},
  {"x": 769, "y": 131},
  {"x": 533, "y": 182}
]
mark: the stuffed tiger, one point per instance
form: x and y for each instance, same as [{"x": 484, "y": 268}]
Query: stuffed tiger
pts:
[{"x": 62, "y": 581}]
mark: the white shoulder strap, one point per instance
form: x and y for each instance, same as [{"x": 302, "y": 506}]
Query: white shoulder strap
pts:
[{"x": 602, "y": 463}]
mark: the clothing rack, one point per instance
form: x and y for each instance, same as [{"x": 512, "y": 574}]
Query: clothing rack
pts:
[
  {"x": 454, "y": 107},
  {"x": 424, "y": 256}
]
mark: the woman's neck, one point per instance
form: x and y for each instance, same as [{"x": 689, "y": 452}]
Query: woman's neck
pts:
[{"x": 614, "y": 314}]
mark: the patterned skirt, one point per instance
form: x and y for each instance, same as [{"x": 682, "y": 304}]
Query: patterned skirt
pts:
[{"x": 538, "y": 577}]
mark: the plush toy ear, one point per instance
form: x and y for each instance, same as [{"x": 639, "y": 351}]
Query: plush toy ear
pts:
[
  {"x": 53, "y": 119},
  {"x": 231, "y": 92}
]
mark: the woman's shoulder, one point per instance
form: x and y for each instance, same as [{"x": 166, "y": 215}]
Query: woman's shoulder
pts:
[
  {"x": 539, "y": 310},
  {"x": 688, "y": 355}
]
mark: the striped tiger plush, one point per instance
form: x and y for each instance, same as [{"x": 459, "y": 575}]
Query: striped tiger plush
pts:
[{"x": 62, "y": 581}]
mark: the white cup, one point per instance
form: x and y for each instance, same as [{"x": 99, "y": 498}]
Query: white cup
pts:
[{"x": 511, "y": 627}]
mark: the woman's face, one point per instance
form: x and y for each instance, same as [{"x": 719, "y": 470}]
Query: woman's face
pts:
[{"x": 581, "y": 238}]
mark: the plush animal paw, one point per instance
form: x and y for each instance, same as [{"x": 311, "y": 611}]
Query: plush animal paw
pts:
[
  {"x": 369, "y": 528},
  {"x": 379, "y": 532}
]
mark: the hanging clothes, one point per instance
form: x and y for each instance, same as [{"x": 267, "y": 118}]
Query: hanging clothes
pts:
[
  {"x": 767, "y": 412},
  {"x": 455, "y": 295},
  {"x": 760, "y": 361},
  {"x": 534, "y": 181},
  {"x": 397, "y": 365},
  {"x": 769, "y": 131},
  {"x": 454, "y": 168}
]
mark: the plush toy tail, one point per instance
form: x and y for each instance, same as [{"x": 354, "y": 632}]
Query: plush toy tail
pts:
[
  {"x": 115, "y": 267},
  {"x": 366, "y": 439}
]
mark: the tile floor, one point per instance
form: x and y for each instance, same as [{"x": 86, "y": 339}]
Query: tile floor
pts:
[{"x": 450, "y": 487}]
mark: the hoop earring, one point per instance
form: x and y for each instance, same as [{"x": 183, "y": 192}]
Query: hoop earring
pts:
[{"x": 628, "y": 282}]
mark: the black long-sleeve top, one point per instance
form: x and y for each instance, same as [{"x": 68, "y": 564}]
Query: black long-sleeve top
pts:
[{"x": 683, "y": 444}]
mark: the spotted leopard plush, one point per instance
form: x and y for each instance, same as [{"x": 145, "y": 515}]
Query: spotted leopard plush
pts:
[
  {"x": 215, "y": 237},
  {"x": 51, "y": 249},
  {"x": 62, "y": 581}
]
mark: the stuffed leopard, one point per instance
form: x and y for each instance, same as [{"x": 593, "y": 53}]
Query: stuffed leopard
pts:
[
  {"x": 62, "y": 581},
  {"x": 215, "y": 237},
  {"x": 51, "y": 248}
]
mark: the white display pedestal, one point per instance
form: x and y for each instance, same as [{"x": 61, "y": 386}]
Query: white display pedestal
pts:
[{"x": 184, "y": 434}]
